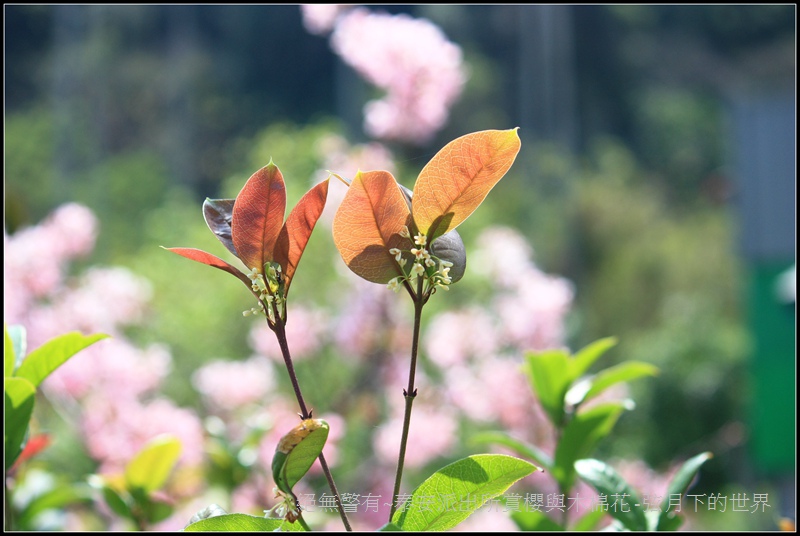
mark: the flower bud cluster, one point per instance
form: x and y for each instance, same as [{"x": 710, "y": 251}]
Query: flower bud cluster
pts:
[
  {"x": 269, "y": 290},
  {"x": 435, "y": 270}
]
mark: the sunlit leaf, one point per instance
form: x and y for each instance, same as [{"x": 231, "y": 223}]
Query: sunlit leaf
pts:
[
  {"x": 296, "y": 452},
  {"x": 42, "y": 361},
  {"x": 218, "y": 214},
  {"x": 367, "y": 225},
  {"x": 587, "y": 355},
  {"x": 624, "y": 372},
  {"x": 589, "y": 522},
  {"x": 16, "y": 341},
  {"x": 390, "y": 527},
  {"x": 243, "y": 523},
  {"x": 19, "y": 396},
  {"x": 549, "y": 374},
  {"x": 607, "y": 481},
  {"x": 258, "y": 217},
  {"x": 151, "y": 467},
  {"x": 454, "y": 492},
  {"x": 298, "y": 228},
  {"x": 678, "y": 486},
  {"x": 459, "y": 177},
  {"x": 580, "y": 436},
  {"x": 535, "y": 521},
  {"x": 520, "y": 447},
  {"x": 207, "y": 258}
]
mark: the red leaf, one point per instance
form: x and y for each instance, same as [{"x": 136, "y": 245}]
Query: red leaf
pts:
[
  {"x": 367, "y": 224},
  {"x": 298, "y": 228},
  {"x": 258, "y": 217},
  {"x": 207, "y": 258}
]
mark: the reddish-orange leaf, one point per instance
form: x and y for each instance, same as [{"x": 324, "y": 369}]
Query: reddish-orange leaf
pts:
[
  {"x": 258, "y": 217},
  {"x": 367, "y": 224},
  {"x": 459, "y": 177},
  {"x": 207, "y": 258},
  {"x": 297, "y": 230}
]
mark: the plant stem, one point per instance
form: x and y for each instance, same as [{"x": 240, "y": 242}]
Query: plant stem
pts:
[
  {"x": 280, "y": 332},
  {"x": 409, "y": 393}
]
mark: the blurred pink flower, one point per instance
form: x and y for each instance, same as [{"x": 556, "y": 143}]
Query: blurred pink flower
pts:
[
  {"x": 116, "y": 428},
  {"x": 228, "y": 385},
  {"x": 305, "y": 330},
  {"x": 412, "y": 60},
  {"x": 320, "y": 18},
  {"x": 111, "y": 368},
  {"x": 455, "y": 336},
  {"x": 432, "y": 433}
]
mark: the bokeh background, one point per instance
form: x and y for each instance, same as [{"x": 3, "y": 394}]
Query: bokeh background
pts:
[{"x": 653, "y": 200}]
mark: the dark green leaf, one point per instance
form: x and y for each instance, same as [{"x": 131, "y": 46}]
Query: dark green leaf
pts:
[
  {"x": 42, "y": 361},
  {"x": 623, "y": 502},
  {"x": 454, "y": 492},
  {"x": 19, "y": 397},
  {"x": 520, "y": 447},
  {"x": 678, "y": 486},
  {"x": 243, "y": 523},
  {"x": 580, "y": 436},
  {"x": 535, "y": 521}
]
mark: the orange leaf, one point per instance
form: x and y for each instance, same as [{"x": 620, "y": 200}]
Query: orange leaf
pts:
[
  {"x": 258, "y": 217},
  {"x": 459, "y": 177},
  {"x": 207, "y": 258},
  {"x": 367, "y": 224},
  {"x": 297, "y": 230}
]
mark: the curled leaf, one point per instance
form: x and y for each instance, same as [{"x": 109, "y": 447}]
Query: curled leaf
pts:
[
  {"x": 218, "y": 214},
  {"x": 296, "y": 452}
]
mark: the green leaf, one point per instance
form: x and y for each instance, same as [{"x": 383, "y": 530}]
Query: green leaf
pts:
[
  {"x": 549, "y": 373},
  {"x": 520, "y": 447},
  {"x": 586, "y": 357},
  {"x": 113, "y": 499},
  {"x": 19, "y": 397},
  {"x": 580, "y": 437},
  {"x": 390, "y": 527},
  {"x": 678, "y": 486},
  {"x": 9, "y": 355},
  {"x": 296, "y": 452},
  {"x": 623, "y": 502},
  {"x": 454, "y": 492},
  {"x": 243, "y": 523},
  {"x": 588, "y": 523},
  {"x": 534, "y": 520},
  {"x": 42, "y": 361},
  {"x": 57, "y": 498},
  {"x": 624, "y": 372},
  {"x": 150, "y": 468}
]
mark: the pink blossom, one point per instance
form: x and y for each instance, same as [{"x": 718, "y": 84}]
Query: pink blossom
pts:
[
  {"x": 411, "y": 59},
  {"x": 320, "y": 18},
  {"x": 229, "y": 385},
  {"x": 113, "y": 368},
  {"x": 305, "y": 329},
  {"x": 455, "y": 336},
  {"x": 433, "y": 432},
  {"x": 116, "y": 429}
]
